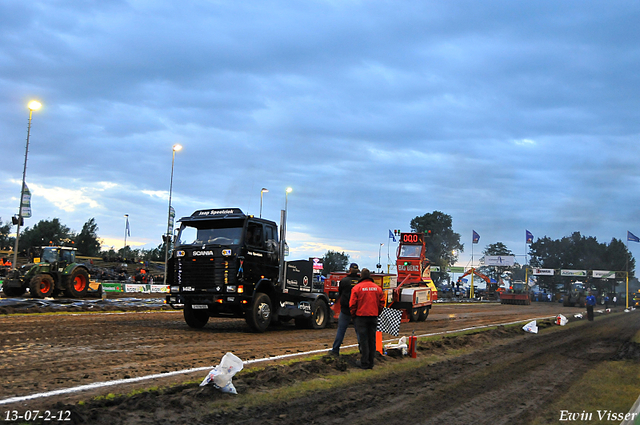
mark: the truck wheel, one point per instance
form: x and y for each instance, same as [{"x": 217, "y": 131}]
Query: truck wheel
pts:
[
  {"x": 319, "y": 315},
  {"x": 13, "y": 292},
  {"x": 259, "y": 315},
  {"x": 414, "y": 314},
  {"x": 424, "y": 313},
  {"x": 195, "y": 318},
  {"x": 41, "y": 286},
  {"x": 78, "y": 284}
]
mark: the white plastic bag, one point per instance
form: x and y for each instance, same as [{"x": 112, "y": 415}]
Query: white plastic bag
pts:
[
  {"x": 401, "y": 345},
  {"x": 578, "y": 316},
  {"x": 222, "y": 374},
  {"x": 531, "y": 327},
  {"x": 561, "y": 320}
]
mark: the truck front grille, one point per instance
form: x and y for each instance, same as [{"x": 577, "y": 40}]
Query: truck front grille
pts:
[{"x": 204, "y": 273}]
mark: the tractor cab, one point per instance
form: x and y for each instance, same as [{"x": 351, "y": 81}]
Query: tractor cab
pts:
[{"x": 54, "y": 254}]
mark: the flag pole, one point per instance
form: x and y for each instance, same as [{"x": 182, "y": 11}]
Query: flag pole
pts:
[
  {"x": 472, "y": 270},
  {"x": 627, "y": 271}
]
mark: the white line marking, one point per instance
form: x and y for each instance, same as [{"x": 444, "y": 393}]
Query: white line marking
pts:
[{"x": 198, "y": 369}]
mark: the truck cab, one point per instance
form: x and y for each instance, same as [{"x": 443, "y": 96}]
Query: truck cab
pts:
[{"x": 226, "y": 263}]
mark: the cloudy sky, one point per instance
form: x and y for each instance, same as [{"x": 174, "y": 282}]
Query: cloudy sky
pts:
[{"x": 506, "y": 115}]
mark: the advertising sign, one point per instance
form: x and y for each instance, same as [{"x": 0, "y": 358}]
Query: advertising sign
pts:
[
  {"x": 573, "y": 273},
  {"x": 25, "y": 204},
  {"x": 603, "y": 274},
  {"x": 543, "y": 272},
  {"x": 499, "y": 260},
  {"x": 298, "y": 276},
  {"x": 317, "y": 263}
]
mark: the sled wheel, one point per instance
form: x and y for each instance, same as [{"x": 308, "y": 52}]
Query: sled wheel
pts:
[
  {"x": 41, "y": 286},
  {"x": 259, "y": 315},
  {"x": 78, "y": 283},
  {"x": 415, "y": 315},
  {"x": 195, "y": 318},
  {"x": 424, "y": 313}
]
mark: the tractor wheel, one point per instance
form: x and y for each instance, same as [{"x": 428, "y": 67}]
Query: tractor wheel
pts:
[
  {"x": 424, "y": 313},
  {"x": 414, "y": 315},
  {"x": 41, "y": 286},
  {"x": 78, "y": 284},
  {"x": 13, "y": 292},
  {"x": 259, "y": 315},
  {"x": 320, "y": 315},
  {"x": 195, "y": 318}
]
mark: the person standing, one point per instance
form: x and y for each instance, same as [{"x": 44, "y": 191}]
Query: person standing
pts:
[
  {"x": 591, "y": 302},
  {"x": 366, "y": 304},
  {"x": 344, "y": 295}
]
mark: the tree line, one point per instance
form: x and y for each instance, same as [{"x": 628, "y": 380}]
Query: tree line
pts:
[
  {"x": 87, "y": 241},
  {"x": 443, "y": 248},
  {"x": 570, "y": 252}
]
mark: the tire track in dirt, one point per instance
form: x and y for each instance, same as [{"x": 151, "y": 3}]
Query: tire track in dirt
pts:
[
  {"x": 47, "y": 352},
  {"x": 494, "y": 386}
]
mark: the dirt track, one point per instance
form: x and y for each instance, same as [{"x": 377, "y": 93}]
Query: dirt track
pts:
[{"x": 46, "y": 352}]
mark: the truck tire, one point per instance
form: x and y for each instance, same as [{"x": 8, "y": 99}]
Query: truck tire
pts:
[
  {"x": 13, "y": 292},
  {"x": 414, "y": 314},
  {"x": 195, "y": 318},
  {"x": 424, "y": 313},
  {"x": 78, "y": 283},
  {"x": 41, "y": 286},
  {"x": 260, "y": 313},
  {"x": 319, "y": 315}
]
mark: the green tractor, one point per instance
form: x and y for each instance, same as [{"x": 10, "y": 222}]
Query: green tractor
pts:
[
  {"x": 577, "y": 295},
  {"x": 54, "y": 273}
]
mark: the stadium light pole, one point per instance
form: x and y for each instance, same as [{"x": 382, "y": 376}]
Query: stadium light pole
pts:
[
  {"x": 34, "y": 105},
  {"x": 167, "y": 240},
  {"x": 263, "y": 190}
]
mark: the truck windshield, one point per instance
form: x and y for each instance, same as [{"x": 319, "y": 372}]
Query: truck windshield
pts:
[
  {"x": 207, "y": 233},
  {"x": 410, "y": 251}
]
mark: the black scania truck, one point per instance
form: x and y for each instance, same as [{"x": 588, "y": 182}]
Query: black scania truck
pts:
[{"x": 228, "y": 264}]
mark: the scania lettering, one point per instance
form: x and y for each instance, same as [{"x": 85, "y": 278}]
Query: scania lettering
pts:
[{"x": 228, "y": 264}]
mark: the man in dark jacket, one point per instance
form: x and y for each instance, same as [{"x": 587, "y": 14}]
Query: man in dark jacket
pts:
[
  {"x": 591, "y": 302},
  {"x": 366, "y": 304},
  {"x": 344, "y": 294}
]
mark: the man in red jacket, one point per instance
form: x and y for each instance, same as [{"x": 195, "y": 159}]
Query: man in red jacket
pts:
[{"x": 366, "y": 303}]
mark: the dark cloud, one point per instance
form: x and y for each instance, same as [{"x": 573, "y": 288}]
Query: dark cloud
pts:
[{"x": 505, "y": 115}]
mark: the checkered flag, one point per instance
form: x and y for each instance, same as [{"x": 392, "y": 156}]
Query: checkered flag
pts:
[{"x": 389, "y": 321}]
